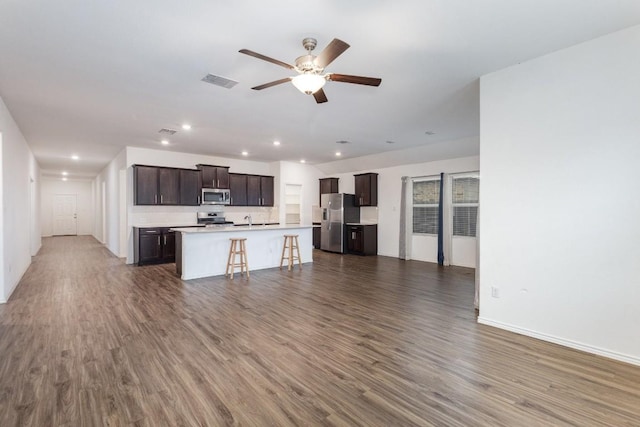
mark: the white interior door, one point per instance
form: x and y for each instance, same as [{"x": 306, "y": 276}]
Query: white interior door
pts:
[{"x": 64, "y": 215}]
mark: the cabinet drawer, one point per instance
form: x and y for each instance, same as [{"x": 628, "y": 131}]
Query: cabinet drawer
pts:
[{"x": 155, "y": 230}]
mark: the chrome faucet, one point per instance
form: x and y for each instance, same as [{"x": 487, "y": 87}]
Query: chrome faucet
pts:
[{"x": 249, "y": 218}]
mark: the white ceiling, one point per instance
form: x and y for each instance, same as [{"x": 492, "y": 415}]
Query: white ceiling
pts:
[{"x": 90, "y": 77}]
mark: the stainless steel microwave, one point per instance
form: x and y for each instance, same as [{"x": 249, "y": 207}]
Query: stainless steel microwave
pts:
[{"x": 215, "y": 196}]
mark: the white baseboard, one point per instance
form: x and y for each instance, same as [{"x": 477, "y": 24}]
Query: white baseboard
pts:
[
  {"x": 562, "y": 341},
  {"x": 15, "y": 285}
]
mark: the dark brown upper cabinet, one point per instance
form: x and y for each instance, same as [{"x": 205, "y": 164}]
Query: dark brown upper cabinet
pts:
[
  {"x": 238, "y": 189},
  {"x": 327, "y": 186},
  {"x": 145, "y": 185},
  {"x": 260, "y": 190},
  {"x": 214, "y": 176},
  {"x": 366, "y": 185},
  {"x": 266, "y": 190},
  {"x": 190, "y": 187},
  {"x": 168, "y": 186},
  {"x": 154, "y": 185}
]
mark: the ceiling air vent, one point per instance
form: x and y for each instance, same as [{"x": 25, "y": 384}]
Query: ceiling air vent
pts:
[
  {"x": 165, "y": 131},
  {"x": 219, "y": 81}
]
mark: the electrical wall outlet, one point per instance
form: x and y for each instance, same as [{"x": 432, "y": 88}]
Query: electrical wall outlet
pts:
[{"x": 495, "y": 292}]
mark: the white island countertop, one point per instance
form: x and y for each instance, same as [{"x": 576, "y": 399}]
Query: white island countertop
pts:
[{"x": 204, "y": 251}]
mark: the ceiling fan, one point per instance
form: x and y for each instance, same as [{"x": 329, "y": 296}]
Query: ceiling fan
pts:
[{"x": 310, "y": 68}]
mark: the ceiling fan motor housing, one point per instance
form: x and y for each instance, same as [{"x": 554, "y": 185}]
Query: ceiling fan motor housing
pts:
[
  {"x": 306, "y": 64},
  {"x": 309, "y": 43}
]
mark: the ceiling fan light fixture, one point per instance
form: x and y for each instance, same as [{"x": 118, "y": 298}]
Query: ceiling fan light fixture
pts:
[{"x": 308, "y": 83}]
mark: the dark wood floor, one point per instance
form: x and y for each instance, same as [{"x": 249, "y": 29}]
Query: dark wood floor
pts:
[{"x": 355, "y": 341}]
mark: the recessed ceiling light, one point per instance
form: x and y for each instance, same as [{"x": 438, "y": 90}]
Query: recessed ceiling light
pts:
[
  {"x": 390, "y": 142},
  {"x": 75, "y": 157},
  {"x": 186, "y": 126},
  {"x": 303, "y": 161},
  {"x": 338, "y": 154},
  {"x": 429, "y": 133},
  {"x": 164, "y": 142},
  {"x": 64, "y": 178},
  {"x": 245, "y": 153},
  {"x": 342, "y": 142},
  {"x": 276, "y": 142},
  {"x": 65, "y": 173}
]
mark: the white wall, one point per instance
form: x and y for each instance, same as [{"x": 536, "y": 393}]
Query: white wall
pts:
[
  {"x": 389, "y": 186},
  {"x": 20, "y": 234},
  {"x": 84, "y": 203},
  {"x": 110, "y": 177},
  {"x": 560, "y": 198}
]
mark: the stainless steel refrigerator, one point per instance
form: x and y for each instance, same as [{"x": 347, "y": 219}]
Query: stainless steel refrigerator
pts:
[{"x": 338, "y": 209}]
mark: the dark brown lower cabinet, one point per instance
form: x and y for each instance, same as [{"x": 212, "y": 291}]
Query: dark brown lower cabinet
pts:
[
  {"x": 153, "y": 245},
  {"x": 362, "y": 239},
  {"x": 316, "y": 236}
]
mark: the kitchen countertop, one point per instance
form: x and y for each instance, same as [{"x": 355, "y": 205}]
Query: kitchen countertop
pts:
[
  {"x": 170, "y": 225},
  {"x": 239, "y": 228},
  {"x": 362, "y": 223},
  {"x": 246, "y": 224}
]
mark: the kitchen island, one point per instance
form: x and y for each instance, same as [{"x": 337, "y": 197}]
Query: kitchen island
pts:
[{"x": 203, "y": 252}]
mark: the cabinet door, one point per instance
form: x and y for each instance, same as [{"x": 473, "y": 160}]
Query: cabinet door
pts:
[
  {"x": 370, "y": 240},
  {"x": 316, "y": 237},
  {"x": 169, "y": 246},
  {"x": 208, "y": 176},
  {"x": 253, "y": 190},
  {"x": 222, "y": 177},
  {"x": 169, "y": 186},
  {"x": 363, "y": 188},
  {"x": 238, "y": 189},
  {"x": 266, "y": 190},
  {"x": 189, "y": 187},
  {"x": 366, "y": 186},
  {"x": 356, "y": 239},
  {"x": 327, "y": 186},
  {"x": 145, "y": 185},
  {"x": 150, "y": 246}
]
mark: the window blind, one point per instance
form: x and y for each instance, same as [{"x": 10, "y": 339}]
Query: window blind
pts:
[
  {"x": 426, "y": 196},
  {"x": 465, "y": 198}
]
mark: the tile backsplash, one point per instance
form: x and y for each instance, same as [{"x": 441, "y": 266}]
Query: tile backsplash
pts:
[
  {"x": 186, "y": 215},
  {"x": 369, "y": 214}
]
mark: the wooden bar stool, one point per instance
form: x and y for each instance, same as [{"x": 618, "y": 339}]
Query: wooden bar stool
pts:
[
  {"x": 237, "y": 248},
  {"x": 291, "y": 242}
]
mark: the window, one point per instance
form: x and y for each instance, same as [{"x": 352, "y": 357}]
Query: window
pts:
[
  {"x": 465, "y": 198},
  {"x": 426, "y": 196}
]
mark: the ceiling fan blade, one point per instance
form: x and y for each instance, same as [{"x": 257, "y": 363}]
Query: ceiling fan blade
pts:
[
  {"x": 266, "y": 58},
  {"x": 320, "y": 96},
  {"x": 274, "y": 83},
  {"x": 359, "y": 80},
  {"x": 331, "y": 52}
]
